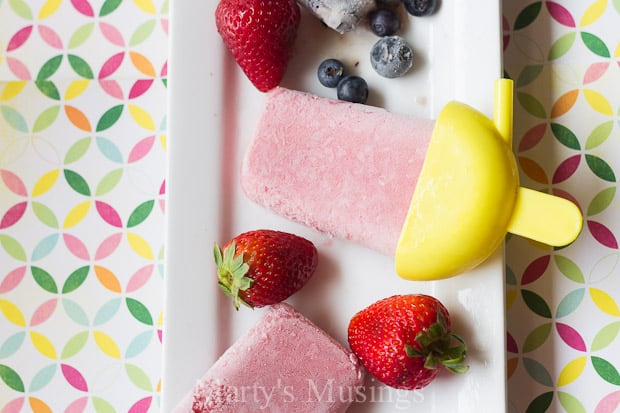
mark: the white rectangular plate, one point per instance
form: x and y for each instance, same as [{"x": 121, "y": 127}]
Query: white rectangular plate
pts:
[{"x": 213, "y": 111}]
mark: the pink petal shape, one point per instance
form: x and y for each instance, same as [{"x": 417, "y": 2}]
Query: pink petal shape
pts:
[
  {"x": 141, "y": 149},
  {"x": 19, "y": 69},
  {"x": 535, "y": 269},
  {"x": 43, "y": 312},
  {"x": 12, "y": 279},
  {"x": 109, "y": 214},
  {"x": 162, "y": 188},
  {"x": 13, "y": 215},
  {"x": 602, "y": 234},
  {"x": 532, "y": 137},
  {"x": 74, "y": 377},
  {"x": 13, "y": 182},
  {"x": 108, "y": 246},
  {"x": 112, "y": 34},
  {"x": 50, "y": 37},
  {"x": 76, "y": 247},
  {"x": 566, "y": 169},
  {"x": 84, "y": 7},
  {"x": 140, "y": 87},
  {"x": 560, "y": 14},
  {"x": 511, "y": 344},
  {"x": 112, "y": 88},
  {"x": 19, "y": 38},
  {"x": 164, "y": 70},
  {"x": 571, "y": 337},
  {"x": 77, "y": 406},
  {"x": 609, "y": 403},
  {"x": 160, "y": 335},
  {"x": 506, "y": 32},
  {"x": 139, "y": 278},
  {"x": 141, "y": 406},
  {"x": 595, "y": 71},
  {"x": 111, "y": 65},
  {"x": 164, "y": 25},
  {"x": 14, "y": 406}
]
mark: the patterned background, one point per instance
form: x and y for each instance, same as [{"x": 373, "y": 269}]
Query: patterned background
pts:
[{"x": 82, "y": 204}]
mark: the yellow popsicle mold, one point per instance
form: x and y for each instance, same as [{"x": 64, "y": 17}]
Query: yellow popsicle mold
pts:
[{"x": 468, "y": 196}]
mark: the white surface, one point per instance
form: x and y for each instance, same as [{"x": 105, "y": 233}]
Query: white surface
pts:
[{"x": 213, "y": 111}]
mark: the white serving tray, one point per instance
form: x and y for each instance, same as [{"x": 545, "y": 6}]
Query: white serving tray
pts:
[{"x": 213, "y": 110}]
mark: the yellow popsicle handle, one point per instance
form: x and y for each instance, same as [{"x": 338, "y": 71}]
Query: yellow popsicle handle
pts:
[
  {"x": 545, "y": 218},
  {"x": 502, "y": 109}
]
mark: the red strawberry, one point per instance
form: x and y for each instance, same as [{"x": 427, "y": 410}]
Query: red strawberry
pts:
[
  {"x": 403, "y": 340},
  {"x": 260, "y": 34},
  {"x": 263, "y": 267}
]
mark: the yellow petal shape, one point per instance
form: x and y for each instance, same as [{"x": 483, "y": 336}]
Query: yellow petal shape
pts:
[
  {"x": 46, "y": 182},
  {"x": 140, "y": 246},
  {"x": 160, "y": 319},
  {"x": 617, "y": 51},
  {"x": 76, "y": 215},
  {"x": 107, "y": 344},
  {"x": 511, "y": 297},
  {"x": 163, "y": 141},
  {"x": 572, "y": 370},
  {"x": 141, "y": 117},
  {"x": 12, "y": 89},
  {"x": 605, "y": 302},
  {"x": 43, "y": 344},
  {"x": 76, "y": 88},
  {"x": 49, "y": 8},
  {"x": 593, "y": 13},
  {"x": 38, "y": 405},
  {"x": 12, "y": 313},
  {"x": 146, "y": 5},
  {"x": 598, "y": 102}
]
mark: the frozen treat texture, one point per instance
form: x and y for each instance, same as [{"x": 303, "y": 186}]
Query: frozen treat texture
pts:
[
  {"x": 285, "y": 363},
  {"x": 348, "y": 170},
  {"x": 340, "y": 15}
]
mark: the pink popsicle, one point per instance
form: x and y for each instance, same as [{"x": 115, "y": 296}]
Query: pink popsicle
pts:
[
  {"x": 345, "y": 169},
  {"x": 285, "y": 363}
]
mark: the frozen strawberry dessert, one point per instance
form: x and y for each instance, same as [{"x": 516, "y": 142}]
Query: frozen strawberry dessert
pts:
[{"x": 285, "y": 363}]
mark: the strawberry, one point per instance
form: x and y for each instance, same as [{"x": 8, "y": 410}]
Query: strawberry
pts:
[
  {"x": 260, "y": 34},
  {"x": 403, "y": 340},
  {"x": 263, "y": 267}
]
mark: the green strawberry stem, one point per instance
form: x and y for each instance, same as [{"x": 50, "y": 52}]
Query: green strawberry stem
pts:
[
  {"x": 231, "y": 273},
  {"x": 435, "y": 345}
]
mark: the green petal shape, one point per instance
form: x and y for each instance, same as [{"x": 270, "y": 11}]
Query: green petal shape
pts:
[
  {"x": 600, "y": 168},
  {"x": 561, "y": 46},
  {"x": 75, "y": 279},
  {"x": 46, "y": 118},
  {"x": 536, "y": 303},
  {"x": 48, "y": 88},
  {"x": 44, "y": 247},
  {"x": 75, "y": 312},
  {"x": 541, "y": 403},
  {"x": 569, "y": 269},
  {"x": 565, "y": 136},
  {"x": 49, "y": 68},
  {"x": 81, "y": 67},
  {"x": 527, "y": 15},
  {"x": 21, "y": 9},
  {"x": 109, "y": 118},
  {"x": 14, "y": 118},
  {"x": 77, "y": 150},
  {"x": 142, "y": 33},
  {"x": 74, "y": 345},
  {"x": 570, "y": 403},
  {"x": 510, "y": 276},
  {"x": 537, "y": 337},
  {"x": 11, "y": 378},
  {"x": 107, "y": 311},
  {"x": 531, "y": 105},
  {"x": 138, "y": 377},
  {"x": 606, "y": 370},
  {"x": 139, "y": 214},
  {"x": 570, "y": 302},
  {"x": 601, "y": 201},
  {"x": 599, "y": 134},
  {"x": 139, "y": 311},
  {"x": 45, "y": 214},
  {"x": 102, "y": 406},
  {"x": 108, "y": 7},
  {"x": 42, "y": 378},
  {"x": 81, "y": 35},
  {"x": 138, "y": 344},
  {"x": 595, "y": 44},
  {"x": 44, "y": 280},
  {"x": 528, "y": 75},
  {"x": 538, "y": 372},
  {"x": 12, "y": 344},
  {"x": 109, "y": 182},
  {"x": 13, "y": 247},
  {"x": 606, "y": 336},
  {"x": 77, "y": 182}
]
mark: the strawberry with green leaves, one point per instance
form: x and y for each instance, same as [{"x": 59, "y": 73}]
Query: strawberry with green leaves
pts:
[
  {"x": 404, "y": 341},
  {"x": 263, "y": 267}
]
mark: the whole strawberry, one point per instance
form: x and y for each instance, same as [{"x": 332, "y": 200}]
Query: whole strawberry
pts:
[
  {"x": 263, "y": 267},
  {"x": 403, "y": 340},
  {"x": 260, "y": 34}
]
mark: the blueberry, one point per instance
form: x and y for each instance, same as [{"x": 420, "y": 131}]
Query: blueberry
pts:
[
  {"x": 383, "y": 22},
  {"x": 391, "y": 56},
  {"x": 330, "y": 72},
  {"x": 353, "y": 89},
  {"x": 420, "y": 7}
]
